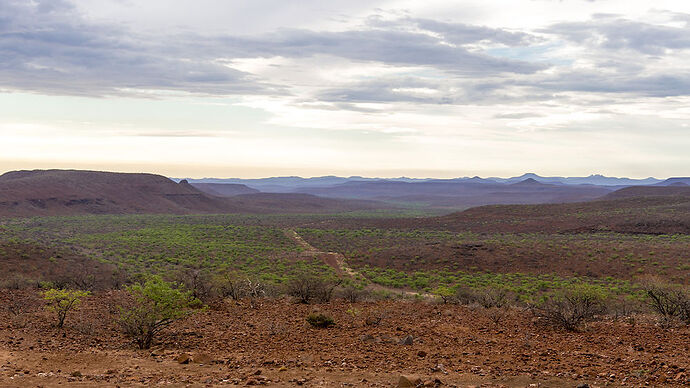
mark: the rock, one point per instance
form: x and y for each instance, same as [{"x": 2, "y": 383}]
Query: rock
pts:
[
  {"x": 76, "y": 373},
  {"x": 433, "y": 383},
  {"x": 201, "y": 358},
  {"x": 257, "y": 372},
  {"x": 409, "y": 381},
  {"x": 421, "y": 354},
  {"x": 583, "y": 385},
  {"x": 184, "y": 358},
  {"x": 282, "y": 368},
  {"x": 408, "y": 340},
  {"x": 368, "y": 338}
]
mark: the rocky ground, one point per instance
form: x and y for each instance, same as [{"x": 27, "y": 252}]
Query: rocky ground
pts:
[{"x": 272, "y": 344}]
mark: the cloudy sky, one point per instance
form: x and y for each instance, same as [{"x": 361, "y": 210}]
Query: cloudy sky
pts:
[{"x": 433, "y": 88}]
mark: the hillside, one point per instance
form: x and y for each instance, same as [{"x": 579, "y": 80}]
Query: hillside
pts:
[
  {"x": 674, "y": 189},
  {"x": 57, "y": 192},
  {"x": 224, "y": 189},
  {"x": 462, "y": 194},
  {"x": 636, "y": 214},
  {"x": 71, "y": 192}
]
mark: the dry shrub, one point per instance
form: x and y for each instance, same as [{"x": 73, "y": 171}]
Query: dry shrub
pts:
[
  {"x": 308, "y": 288},
  {"x": 570, "y": 308},
  {"x": 353, "y": 294},
  {"x": 670, "y": 302},
  {"x": 230, "y": 285},
  {"x": 375, "y": 317},
  {"x": 496, "y": 315},
  {"x": 487, "y": 297}
]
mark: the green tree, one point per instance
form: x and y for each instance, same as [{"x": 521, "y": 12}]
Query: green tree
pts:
[
  {"x": 152, "y": 307},
  {"x": 61, "y": 301}
]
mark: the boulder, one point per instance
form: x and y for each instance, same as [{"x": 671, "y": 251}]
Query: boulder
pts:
[
  {"x": 201, "y": 358},
  {"x": 408, "y": 340},
  {"x": 406, "y": 381}
]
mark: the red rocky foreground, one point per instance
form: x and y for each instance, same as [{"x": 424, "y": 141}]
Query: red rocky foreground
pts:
[{"x": 413, "y": 343}]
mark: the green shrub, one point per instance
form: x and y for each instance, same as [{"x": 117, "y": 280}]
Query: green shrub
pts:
[
  {"x": 320, "y": 320},
  {"x": 61, "y": 301},
  {"x": 152, "y": 307}
]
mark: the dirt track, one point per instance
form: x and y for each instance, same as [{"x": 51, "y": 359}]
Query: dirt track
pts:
[{"x": 337, "y": 262}]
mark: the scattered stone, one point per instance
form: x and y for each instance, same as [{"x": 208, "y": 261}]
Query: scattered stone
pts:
[
  {"x": 76, "y": 373},
  {"x": 409, "y": 381},
  {"x": 408, "y": 340},
  {"x": 421, "y": 354},
  {"x": 583, "y": 385}
]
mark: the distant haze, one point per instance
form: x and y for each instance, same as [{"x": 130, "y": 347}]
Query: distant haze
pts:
[{"x": 379, "y": 88}]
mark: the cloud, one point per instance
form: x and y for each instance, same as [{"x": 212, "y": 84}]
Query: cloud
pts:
[
  {"x": 48, "y": 47},
  {"x": 610, "y": 32}
]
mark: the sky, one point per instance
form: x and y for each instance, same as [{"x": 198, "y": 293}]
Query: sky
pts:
[{"x": 255, "y": 88}]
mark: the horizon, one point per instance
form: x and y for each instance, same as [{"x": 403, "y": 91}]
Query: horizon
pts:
[
  {"x": 385, "y": 88},
  {"x": 529, "y": 173}
]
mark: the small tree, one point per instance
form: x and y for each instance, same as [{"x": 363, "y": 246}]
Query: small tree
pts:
[
  {"x": 445, "y": 293},
  {"x": 572, "y": 307},
  {"x": 153, "y": 306},
  {"x": 61, "y": 301}
]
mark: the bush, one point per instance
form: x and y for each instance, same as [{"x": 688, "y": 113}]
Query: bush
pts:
[
  {"x": 670, "y": 302},
  {"x": 320, "y": 320},
  {"x": 487, "y": 297},
  {"x": 152, "y": 307},
  {"x": 570, "y": 308},
  {"x": 197, "y": 281},
  {"x": 491, "y": 297},
  {"x": 307, "y": 288},
  {"x": 353, "y": 294},
  {"x": 61, "y": 301},
  {"x": 230, "y": 285}
]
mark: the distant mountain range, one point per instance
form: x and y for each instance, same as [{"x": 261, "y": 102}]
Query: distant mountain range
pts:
[
  {"x": 453, "y": 193},
  {"x": 295, "y": 183}
]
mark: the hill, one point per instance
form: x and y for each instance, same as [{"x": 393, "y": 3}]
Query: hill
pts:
[
  {"x": 644, "y": 215},
  {"x": 673, "y": 189},
  {"x": 675, "y": 181},
  {"x": 70, "y": 192},
  {"x": 225, "y": 189}
]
